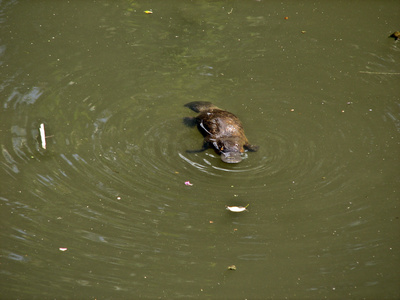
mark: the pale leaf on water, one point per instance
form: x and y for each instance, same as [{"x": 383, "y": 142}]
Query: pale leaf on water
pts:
[{"x": 237, "y": 208}]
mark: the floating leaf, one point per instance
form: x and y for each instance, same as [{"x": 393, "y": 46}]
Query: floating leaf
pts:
[
  {"x": 148, "y": 11},
  {"x": 237, "y": 208},
  {"x": 395, "y": 35}
]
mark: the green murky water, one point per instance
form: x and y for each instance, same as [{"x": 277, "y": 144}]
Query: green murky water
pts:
[{"x": 104, "y": 213}]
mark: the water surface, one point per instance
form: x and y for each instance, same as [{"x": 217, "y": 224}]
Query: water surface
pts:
[{"x": 104, "y": 213}]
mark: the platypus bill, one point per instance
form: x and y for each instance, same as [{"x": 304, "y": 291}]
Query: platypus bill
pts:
[{"x": 221, "y": 129}]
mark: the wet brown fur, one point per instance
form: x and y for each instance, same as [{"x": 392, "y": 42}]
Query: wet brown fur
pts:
[{"x": 221, "y": 129}]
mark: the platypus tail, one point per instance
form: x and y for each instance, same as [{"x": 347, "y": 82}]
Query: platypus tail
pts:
[{"x": 200, "y": 106}]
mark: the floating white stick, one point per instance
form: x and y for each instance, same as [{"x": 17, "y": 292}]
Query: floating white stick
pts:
[
  {"x": 237, "y": 208},
  {"x": 42, "y": 135}
]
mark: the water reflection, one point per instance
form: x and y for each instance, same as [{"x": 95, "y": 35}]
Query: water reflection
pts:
[
  {"x": 11, "y": 163},
  {"x": 17, "y": 98}
]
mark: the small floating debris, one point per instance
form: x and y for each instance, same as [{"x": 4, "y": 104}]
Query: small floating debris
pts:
[
  {"x": 395, "y": 35},
  {"x": 148, "y": 11},
  {"x": 188, "y": 183},
  {"x": 237, "y": 208},
  {"x": 62, "y": 249},
  {"x": 42, "y": 135},
  {"x": 232, "y": 267}
]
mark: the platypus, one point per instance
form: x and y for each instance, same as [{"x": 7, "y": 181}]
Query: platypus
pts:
[{"x": 221, "y": 129}]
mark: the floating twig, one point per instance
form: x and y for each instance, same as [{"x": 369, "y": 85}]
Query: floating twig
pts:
[{"x": 42, "y": 135}]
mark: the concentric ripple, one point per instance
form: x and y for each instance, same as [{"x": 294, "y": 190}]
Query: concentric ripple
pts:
[{"x": 141, "y": 145}]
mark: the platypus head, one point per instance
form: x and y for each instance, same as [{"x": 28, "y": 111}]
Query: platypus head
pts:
[
  {"x": 231, "y": 157},
  {"x": 230, "y": 150}
]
